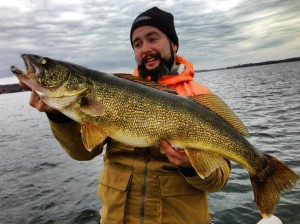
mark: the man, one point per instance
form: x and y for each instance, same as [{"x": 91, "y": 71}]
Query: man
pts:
[{"x": 147, "y": 185}]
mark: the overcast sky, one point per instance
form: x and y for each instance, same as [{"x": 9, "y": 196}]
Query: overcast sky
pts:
[{"x": 95, "y": 34}]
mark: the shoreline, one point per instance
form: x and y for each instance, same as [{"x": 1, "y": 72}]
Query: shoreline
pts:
[{"x": 253, "y": 64}]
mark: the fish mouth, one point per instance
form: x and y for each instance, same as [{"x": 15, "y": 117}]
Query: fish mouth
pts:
[{"x": 30, "y": 67}]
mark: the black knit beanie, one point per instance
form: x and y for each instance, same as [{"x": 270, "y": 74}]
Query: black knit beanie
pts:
[{"x": 158, "y": 18}]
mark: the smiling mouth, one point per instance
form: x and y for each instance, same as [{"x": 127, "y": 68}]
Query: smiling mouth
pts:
[{"x": 150, "y": 58}]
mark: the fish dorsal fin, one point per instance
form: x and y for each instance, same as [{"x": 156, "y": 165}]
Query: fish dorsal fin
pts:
[
  {"x": 146, "y": 82},
  {"x": 218, "y": 106},
  {"x": 92, "y": 136}
]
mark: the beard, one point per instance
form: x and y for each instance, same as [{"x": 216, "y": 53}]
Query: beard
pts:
[{"x": 161, "y": 70}]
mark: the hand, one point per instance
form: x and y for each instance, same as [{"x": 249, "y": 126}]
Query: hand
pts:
[
  {"x": 36, "y": 102},
  {"x": 175, "y": 156},
  {"x": 24, "y": 86}
]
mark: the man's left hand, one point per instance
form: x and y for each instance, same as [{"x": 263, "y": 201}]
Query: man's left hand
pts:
[{"x": 175, "y": 155}]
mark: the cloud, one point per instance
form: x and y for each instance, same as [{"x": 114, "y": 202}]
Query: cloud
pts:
[{"x": 212, "y": 33}]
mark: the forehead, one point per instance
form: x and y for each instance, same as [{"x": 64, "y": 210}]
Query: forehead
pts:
[{"x": 143, "y": 31}]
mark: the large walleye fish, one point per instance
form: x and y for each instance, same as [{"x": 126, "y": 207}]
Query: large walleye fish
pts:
[{"x": 136, "y": 112}]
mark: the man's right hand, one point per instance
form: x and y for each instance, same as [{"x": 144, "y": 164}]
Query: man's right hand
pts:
[{"x": 36, "y": 102}]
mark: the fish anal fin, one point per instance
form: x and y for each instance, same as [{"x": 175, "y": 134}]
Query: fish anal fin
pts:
[
  {"x": 218, "y": 106},
  {"x": 92, "y": 136},
  {"x": 146, "y": 82},
  {"x": 204, "y": 162},
  {"x": 91, "y": 107}
]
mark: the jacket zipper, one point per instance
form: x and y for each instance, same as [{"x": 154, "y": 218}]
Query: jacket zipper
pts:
[{"x": 144, "y": 188}]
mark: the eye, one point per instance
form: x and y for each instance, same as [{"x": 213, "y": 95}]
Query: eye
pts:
[
  {"x": 43, "y": 61},
  {"x": 136, "y": 45},
  {"x": 153, "y": 39}
]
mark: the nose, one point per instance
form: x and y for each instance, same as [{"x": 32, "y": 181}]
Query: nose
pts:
[
  {"x": 142, "y": 51},
  {"x": 146, "y": 48}
]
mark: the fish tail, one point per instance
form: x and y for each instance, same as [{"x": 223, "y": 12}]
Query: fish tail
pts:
[{"x": 269, "y": 184}]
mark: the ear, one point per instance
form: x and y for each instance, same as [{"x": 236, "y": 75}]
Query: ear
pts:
[{"x": 175, "y": 48}]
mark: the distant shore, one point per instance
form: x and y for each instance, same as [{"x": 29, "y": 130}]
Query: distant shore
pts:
[
  {"x": 12, "y": 88},
  {"x": 253, "y": 64}
]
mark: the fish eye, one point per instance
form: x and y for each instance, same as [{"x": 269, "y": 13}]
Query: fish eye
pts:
[{"x": 43, "y": 61}]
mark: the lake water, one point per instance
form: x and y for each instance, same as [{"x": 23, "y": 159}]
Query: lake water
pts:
[{"x": 41, "y": 184}]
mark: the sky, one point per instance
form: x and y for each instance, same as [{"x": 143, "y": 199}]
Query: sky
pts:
[{"x": 95, "y": 33}]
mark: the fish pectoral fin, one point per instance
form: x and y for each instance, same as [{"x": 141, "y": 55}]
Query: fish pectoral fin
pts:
[
  {"x": 91, "y": 107},
  {"x": 146, "y": 82},
  {"x": 92, "y": 136},
  {"x": 218, "y": 106},
  {"x": 203, "y": 162},
  {"x": 59, "y": 103}
]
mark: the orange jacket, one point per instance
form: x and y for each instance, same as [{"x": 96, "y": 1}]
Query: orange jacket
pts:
[{"x": 183, "y": 83}]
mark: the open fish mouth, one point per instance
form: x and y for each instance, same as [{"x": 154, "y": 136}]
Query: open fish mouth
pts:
[{"x": 30, "y": 67}]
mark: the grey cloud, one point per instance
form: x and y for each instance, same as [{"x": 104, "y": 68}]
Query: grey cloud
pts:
[{"x": 96, "y": 33}]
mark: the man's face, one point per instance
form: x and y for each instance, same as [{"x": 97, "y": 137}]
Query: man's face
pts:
[{"x": 152, "y": 48}]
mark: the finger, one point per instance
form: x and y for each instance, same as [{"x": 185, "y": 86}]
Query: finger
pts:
[
  {"x": 177, "y": 157},
  {"x": 180, "y": 161},
  {"x": 172, "y": 154},
  {"x": 24, "y": 86},
  {"x": 165, "y": 144},
  {"x": 35, "y": 100},
  {"x": 41, "y": 106},
  {"x": 173, "y": 159},
  {"x": 178, "y": 153}
]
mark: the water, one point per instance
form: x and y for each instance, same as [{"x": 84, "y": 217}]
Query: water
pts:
[{"x": 41, "y": 184}]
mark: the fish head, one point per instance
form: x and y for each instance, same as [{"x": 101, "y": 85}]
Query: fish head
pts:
[
  {"x": 52, "y": 77},
  {"x": 41, "y": 71}
]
